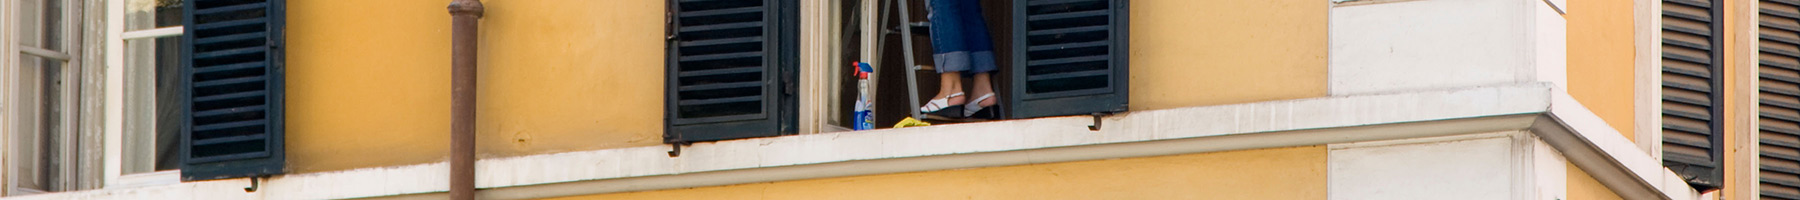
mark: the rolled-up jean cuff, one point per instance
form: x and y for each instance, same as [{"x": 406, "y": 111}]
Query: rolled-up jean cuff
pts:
[
  {"x": 981, "y": 62},
  {"x": 955, "y": 61}
]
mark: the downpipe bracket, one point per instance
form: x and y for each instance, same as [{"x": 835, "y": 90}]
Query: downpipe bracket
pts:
[
  {"x": 1097, "y": 121},
  {"x": 255, "y": 183}
]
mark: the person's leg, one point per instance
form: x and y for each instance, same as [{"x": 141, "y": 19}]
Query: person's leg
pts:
[
  {"x": 984, "y": 86},
  {"x": 975, "y": 36},
  {"x": 949, "y": 51},
  {"x": 981, "y": 50},
  {"x": 952, "y": 84}
]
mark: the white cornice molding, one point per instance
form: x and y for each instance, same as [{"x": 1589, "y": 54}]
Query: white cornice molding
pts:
[
  {"x": 1190, "y": 130},
  {"x": 1605, "y": 154}
]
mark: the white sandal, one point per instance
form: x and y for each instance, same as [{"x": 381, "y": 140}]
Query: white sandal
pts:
[
  {"x": 975, "y": 106},
  {"x": 936, "y": 105}
]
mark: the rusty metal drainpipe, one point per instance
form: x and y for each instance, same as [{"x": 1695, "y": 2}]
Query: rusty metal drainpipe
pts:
[{"x": 464, "y": 25}]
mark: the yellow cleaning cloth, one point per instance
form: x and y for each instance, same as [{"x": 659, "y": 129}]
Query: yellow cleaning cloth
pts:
[{"x": 910, "y": 122}]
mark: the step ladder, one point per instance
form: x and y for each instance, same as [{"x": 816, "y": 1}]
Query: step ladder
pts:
[{"x": 906, "y": 35}]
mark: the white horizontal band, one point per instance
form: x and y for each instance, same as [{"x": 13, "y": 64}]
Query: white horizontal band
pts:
[{"x": 152, "y": 33}]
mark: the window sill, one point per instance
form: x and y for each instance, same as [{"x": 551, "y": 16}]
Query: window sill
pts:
[
  {"x": 1589, "y": 144},
  {"x": 166, "y": 177}
]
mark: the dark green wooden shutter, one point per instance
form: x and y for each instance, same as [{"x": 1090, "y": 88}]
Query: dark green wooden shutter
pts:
[
  {"x": 1693, "y": 87},
  {"x": 1069, "y": 57},
  {"x": 731, "y": 66},
  {"x": 1779, "y": 94},
  {"x": 232, "y": 59}
]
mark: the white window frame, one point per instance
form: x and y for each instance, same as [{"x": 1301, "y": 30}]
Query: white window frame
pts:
[
  {"x": 10, "y": 53},
  {"x": 116, "y": 35},
  {"x": 1647, "y": 20},
  {"x": 822, "y": 68},
  {"x": 1747, "y": 145},
  {"x": 6, "y": 91}
]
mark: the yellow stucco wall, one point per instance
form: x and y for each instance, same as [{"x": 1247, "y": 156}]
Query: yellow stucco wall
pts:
[
  {"x": 1280, "y": 173},
  {"x": 1582, "y": 186},
  {"x": 1194, "y": 53},
  {"x": 1601, "y": 60},
  {"x": 369, "y": 81},
  {"x": 558, "y": 75}
]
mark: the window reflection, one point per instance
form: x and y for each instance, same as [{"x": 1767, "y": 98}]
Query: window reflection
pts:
[
  {"x": 151, "y": 79},
  {"x": 151, "y": 14}
]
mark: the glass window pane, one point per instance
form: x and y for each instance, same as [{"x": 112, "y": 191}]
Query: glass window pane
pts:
[
  {"x": 151, "y": 14},
  {"x": 52, "y": 114},
  {"x": 39, "y": 24},
  {"x": 140, "y": 97},
  {"x": 29, "y": 143},
  {"x": 29, "y": 22},
  {"x": 52, "y": 25},
  {"x": 168, "y": 108},
  {"x": 45, "y": 155},
  {"x": 152, "y": 114}
]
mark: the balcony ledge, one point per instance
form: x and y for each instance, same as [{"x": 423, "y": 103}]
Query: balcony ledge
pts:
[{"x": 1564, "y": 124}]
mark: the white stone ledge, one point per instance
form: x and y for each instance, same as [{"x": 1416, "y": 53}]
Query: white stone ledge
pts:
[
  {"x": 1270, "y": 124},
  {"x": 1606, "y": 154}
]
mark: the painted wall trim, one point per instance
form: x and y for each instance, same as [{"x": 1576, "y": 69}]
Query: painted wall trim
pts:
[
  {"x": 6, "y": 91},
  {"x": 1745, "y": 159},
  {"x": 1647, "y": 37},
  {"x": 1316, "y": 121}
]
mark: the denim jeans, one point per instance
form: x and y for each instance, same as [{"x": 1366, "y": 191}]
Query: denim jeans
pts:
[{"x": 959, "y": 37}]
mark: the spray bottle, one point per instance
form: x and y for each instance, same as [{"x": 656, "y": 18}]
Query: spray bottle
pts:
[{"x": 863, "y": 118}]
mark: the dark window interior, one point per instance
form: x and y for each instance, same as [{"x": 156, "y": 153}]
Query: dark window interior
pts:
[
  {"x": 168, "y": 88},
  {"x": 890, "y": 100}
]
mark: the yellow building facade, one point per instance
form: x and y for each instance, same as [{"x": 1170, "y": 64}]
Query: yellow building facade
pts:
[
  {"x": 595, "y": 65},
  {"x": 1277, "y": 99}
]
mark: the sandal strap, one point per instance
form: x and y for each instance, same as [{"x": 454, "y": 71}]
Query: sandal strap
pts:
[
  {"x": 975, "y": 105},
  {"x": 938, "y": 104},
  {"x": 934, "y": 105},
  {"x": 977, "y": 101}
]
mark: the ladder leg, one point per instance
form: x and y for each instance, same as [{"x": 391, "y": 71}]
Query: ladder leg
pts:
[
  {"x": 881, "y": 30},
  {"x": 906, "y": 44}
]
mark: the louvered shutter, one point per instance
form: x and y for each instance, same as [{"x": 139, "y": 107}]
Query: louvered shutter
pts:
[
  {"x": 1693, "y": 91},
  {"x": 729, "y": 70},
  {"x": 1069, "y": 57},
  {"x": 232, "y": 62},
  {"x": 1779, "y": 93}
]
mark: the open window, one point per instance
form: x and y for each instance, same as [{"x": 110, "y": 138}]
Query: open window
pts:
[
  {"x": 732, "y": 65},
  {"x": 152, "y": 53},
  {"x": 1055, "y": 57},
  {"x": 40, "y": 76},
  {"x": 202, "y": 90}
]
